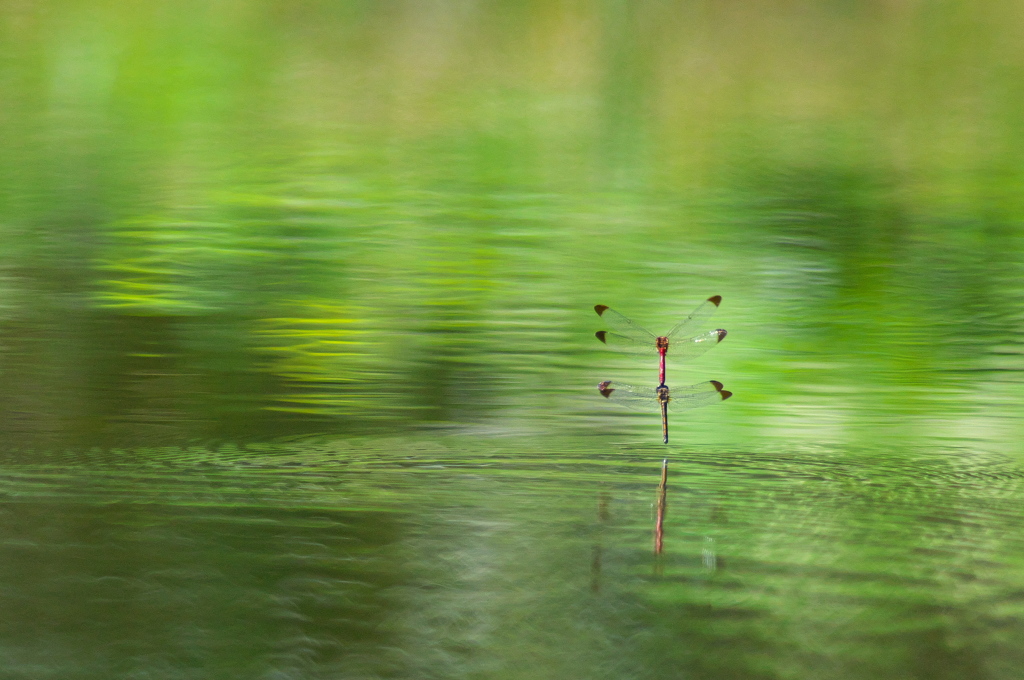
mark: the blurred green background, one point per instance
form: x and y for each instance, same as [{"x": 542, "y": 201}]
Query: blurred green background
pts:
[
  {"x": 240, "y": 220},
  {"x": 297, "y": 355}
]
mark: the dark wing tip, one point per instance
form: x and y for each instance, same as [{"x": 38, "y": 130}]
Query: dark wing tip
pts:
[
  {"x": 722, "y": 333},
  {"x": 725, "y": 394},
  {"x": 600, "y": 309},
  {"x": 715, "y": 299},
  {"x": 600, "y": 336},
  {"x": 603, "y": 388},
  {"x": 718, "y": 385}
]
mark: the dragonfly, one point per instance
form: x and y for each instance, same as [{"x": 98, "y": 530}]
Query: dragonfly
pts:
[
  {"x": 627, "y": 336},
  {"x": 661, "y": 398}
]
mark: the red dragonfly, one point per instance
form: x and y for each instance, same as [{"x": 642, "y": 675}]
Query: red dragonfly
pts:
[
  {"x": 660, "y": 397},
  {"x": 630, "y": 337}
]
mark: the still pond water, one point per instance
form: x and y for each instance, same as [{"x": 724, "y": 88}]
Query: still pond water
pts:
[{"x": 298, "y": 355}]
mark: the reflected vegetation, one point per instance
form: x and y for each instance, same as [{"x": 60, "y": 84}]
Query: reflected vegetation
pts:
[
  {"x": 247, "y": 221},
  {"x": 298, "y": 354},
  {"x": 323, "y": 558}
]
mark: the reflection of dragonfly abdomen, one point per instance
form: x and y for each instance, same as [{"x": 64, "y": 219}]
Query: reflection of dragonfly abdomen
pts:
[
  {"x": 662, "y": 399},
  {"x": 626, "y": 335}
]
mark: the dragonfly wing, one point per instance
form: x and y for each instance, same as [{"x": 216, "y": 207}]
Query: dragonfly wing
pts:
[
  {"x": 691, "y": 348},
  {"x": 694, "y": 396},
  {"x": 623, "y": 334},
  {"x": 630, "y": 396},
  {"x": 699, "y": 317}
]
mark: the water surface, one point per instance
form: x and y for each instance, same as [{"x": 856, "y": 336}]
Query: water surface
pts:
[
  {"x": 521, "y": 558},
  {"x": 298, "y": 359}
]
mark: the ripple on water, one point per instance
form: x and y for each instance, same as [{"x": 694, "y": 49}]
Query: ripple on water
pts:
[
  {"x": 446, "y": 548},
  {"x": 533, "y": 464}
]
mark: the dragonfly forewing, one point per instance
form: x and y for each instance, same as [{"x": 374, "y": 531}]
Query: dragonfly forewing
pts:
[
  {"x": 623, "y": 334},
  {"x": 697, "y": 319},
  {"x": 643, "y": 398},
  {"x": 631, "y": 396}
]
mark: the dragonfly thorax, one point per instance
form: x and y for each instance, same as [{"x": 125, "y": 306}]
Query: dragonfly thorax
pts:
[
  {"x": 663, "y": 395},
  {"x": 661, "y": 343}
]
